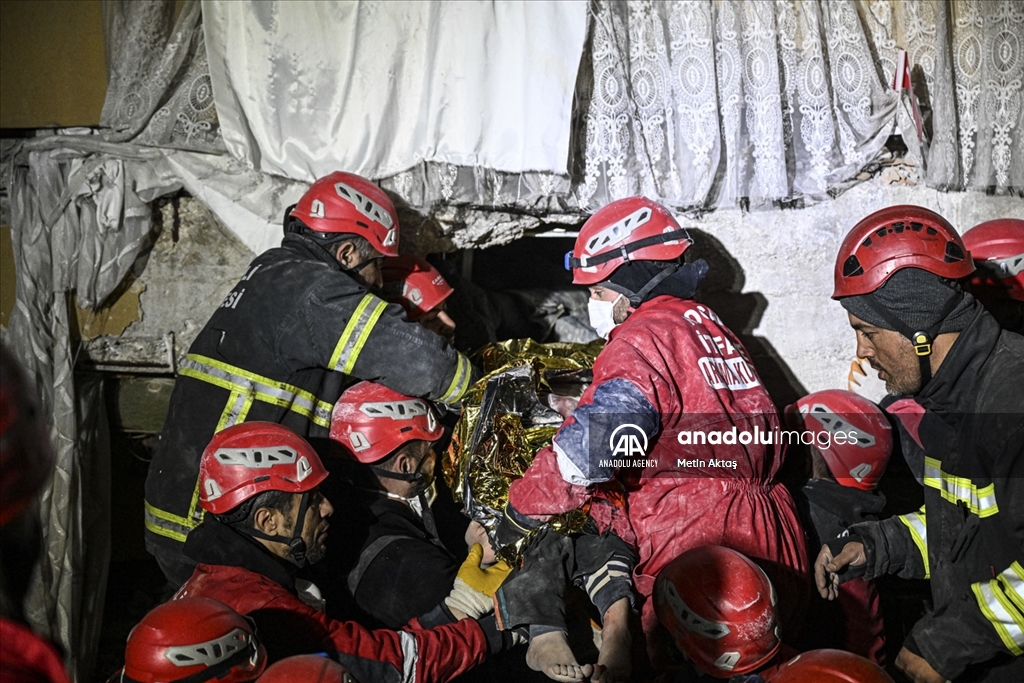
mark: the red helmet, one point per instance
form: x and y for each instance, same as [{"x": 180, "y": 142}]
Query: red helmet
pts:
[
  {"x": 859, "y": 440},
  {"x": 26, "y": 457},
  {"x": 898, "y": 237},
  {"x": 720, "y": 609},
  {"x": 195, "y": 638},
  {"x": 371, "y": 421},
  {"x": 415, "y": 284},
  {"x": 997, "y": 248},
  {"x": 252, "y": 457},
  {"x": 306, "y": 669},
  {"x": 830, "y": 666},
  {"x": 631, "y": 229},
  {"x": 346, "y": 203}
]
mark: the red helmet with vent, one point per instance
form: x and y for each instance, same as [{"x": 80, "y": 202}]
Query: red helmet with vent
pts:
[
  {"x": 997, "y": 248},
  {"x": 371, "y": 421},
  {"x": 347, "y": 203},
  {"x": 26, "y": 457},
  {"x": 830, "y": 666},
  {"x": 415, "y": 284},
  {"x": 631, "y": 229},
  {"x": 852, "y": 434},
  {"x": 306, "y": 669},
  {"x": 898, "y": 237},
  {"x": 252, "y": 457},
  {"x": 195, "y": 638},
  {"x": 720, "y": 609}
]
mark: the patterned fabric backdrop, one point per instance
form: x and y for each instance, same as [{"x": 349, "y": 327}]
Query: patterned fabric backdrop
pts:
[{"x": 695, "y": 102}]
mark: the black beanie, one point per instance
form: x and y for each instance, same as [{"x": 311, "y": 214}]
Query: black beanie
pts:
[{"x": 916, "y": 298}]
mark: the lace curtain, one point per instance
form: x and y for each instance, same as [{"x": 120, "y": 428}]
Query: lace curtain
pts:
[
  {"x": 704, "y": 104},
  {"x": 159, "y": 90},
  {"x": 699, "y": 103}
]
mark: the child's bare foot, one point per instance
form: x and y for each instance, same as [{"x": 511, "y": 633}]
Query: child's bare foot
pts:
[
  {"x": 614, "y": 664},
  {"x": 550, "y": 653}
]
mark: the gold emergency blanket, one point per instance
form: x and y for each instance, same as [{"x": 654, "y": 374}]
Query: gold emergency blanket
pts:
[{"x": 506, "y": 419}]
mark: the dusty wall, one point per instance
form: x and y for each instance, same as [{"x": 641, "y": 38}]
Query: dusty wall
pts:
[{"x": 771, "y": 280}]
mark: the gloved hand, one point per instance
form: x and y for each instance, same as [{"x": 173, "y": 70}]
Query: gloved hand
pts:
[
  {"x": 470, "y": 596},
  {"x": 487, "y": 580}
]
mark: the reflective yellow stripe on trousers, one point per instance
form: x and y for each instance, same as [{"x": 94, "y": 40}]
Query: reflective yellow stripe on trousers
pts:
[
  {"x": 918, "y": 527},
  {"x": 980, "y": 501},
  {"x": 244, "y": 387},
  {"x": 1001, "y": 600}
]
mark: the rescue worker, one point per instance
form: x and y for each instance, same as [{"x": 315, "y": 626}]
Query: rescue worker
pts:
[
  {"x": 720, "y": 609},
  {"x": 849, "y": 443},
  {"x": 421, "y": 290},
  {"x": 260, "y": 483},
  {"x": 300, "y": 324},
  {"x": 26, "y": 464},
  {"x": 997, "y": 249},
  {"x": 671, "y": 368},
  {"x": 957, "y": 377},
  {"x": 397, "y": 569},
  {"x": 193, "y": 640}
]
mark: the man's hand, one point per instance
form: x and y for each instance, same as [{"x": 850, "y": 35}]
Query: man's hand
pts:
[
  {"x": 827, "y": 568},
  {"x": 917, "y": 669}
]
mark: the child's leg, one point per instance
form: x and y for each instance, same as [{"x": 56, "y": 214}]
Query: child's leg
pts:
[
  {"x": 534, "y": 596},
  {"x": 604, "y": 567}
]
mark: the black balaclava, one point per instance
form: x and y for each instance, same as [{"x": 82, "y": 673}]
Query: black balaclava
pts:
[
  {"x": 640, "y": 281},
  {"x": 917, "y": 304}
]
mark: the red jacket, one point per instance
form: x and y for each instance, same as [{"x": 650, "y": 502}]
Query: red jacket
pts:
[
  {"x": 289, "y": 626},
  {"x": 673, "y": 369}
]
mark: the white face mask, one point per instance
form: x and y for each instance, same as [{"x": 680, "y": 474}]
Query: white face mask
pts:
[
  {"x": 414, "y": 501},
  {"x": 601, "y": 317}
]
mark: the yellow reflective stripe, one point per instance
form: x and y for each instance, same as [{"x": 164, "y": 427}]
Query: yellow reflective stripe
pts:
[
  {"x": 353, "y": 337},
  {"x": 164, "y": 523},
  {"x": 460, "y": 381},
  {"x": 1013, "y": 580},
  {"x": 258, "y": 388},
  {"x": 364, "y": 333},
  {"x": 918, "y": 526},
  {"x": 1005, "y": 617},
  {"x": 980, "y": 501},
  {"x": 233, "y": 410}
]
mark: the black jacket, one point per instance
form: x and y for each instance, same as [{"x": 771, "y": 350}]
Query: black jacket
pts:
[
  {"x": 291, "y": 335},
  {"x": 854, "y": 621},
  {"x": 969, "y": 536},
  {"x": 403, "y": 572}
]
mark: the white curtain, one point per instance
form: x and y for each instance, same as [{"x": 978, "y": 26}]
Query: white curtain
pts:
[
  {"x": 705, "y": 103},
  {"x": 306, "y": 88}
]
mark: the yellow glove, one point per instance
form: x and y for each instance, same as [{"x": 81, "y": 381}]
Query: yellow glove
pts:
[{"x": 486, "y": 581}]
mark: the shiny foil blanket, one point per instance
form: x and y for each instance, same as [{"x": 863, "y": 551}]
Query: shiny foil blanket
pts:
[{"x": 506, "y": 419}]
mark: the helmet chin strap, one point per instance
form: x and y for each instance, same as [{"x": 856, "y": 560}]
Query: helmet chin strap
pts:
[
  {"x": 421, "y": 493},
  {"x": 921, "y": 339},
  {"x": 294, "y": 542}
]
